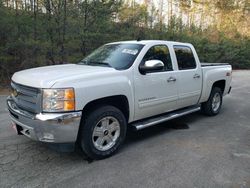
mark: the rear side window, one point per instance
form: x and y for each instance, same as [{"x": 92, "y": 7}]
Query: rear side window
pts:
[{"x": 185, "y": 57}]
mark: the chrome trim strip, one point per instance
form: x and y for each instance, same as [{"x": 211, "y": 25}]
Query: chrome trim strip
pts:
[
  {"x": 157, "y": 101},
  {"x": 56, "y": 117},
  {"x": 154, "y": 121}
]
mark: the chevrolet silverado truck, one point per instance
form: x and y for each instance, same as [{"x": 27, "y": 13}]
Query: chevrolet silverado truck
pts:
[{"x": 125, "y": 84}]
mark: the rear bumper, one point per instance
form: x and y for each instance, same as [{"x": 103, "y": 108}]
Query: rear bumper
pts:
[{"x": 46, "y": 127}]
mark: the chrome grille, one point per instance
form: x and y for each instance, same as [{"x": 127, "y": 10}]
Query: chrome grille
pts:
[{"x": 26, "y": 98}]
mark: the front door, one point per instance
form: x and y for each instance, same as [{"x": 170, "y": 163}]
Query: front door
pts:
[{"x": 156, "y": 92}]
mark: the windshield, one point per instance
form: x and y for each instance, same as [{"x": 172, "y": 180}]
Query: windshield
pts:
[{"x": 119, "y": 56}]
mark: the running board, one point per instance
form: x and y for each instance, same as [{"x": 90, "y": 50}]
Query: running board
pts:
[{"x": 162, "y": 118}]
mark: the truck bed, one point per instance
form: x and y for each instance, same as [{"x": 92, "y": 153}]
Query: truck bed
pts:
[
  {"x": 213, "y": 64},
  {"x": 211, "y": 72}
]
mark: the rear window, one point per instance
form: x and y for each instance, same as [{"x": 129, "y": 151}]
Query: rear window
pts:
[{"x": 185, "y": 57}]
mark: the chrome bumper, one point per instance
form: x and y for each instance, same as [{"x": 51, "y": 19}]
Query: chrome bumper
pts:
[{"x": 46, "y": 127}]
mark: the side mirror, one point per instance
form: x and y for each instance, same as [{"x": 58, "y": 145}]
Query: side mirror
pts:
[{"x": 151, "y": 66}]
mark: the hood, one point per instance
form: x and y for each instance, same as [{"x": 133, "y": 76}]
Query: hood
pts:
[{"x": 46, "y": 77}]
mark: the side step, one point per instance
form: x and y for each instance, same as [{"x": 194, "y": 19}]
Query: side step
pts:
[{"x": 165, "y": 117}]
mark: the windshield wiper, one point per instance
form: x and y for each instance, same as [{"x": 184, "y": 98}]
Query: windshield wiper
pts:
[
  {"x": 82, "y": 62},
  {"x": 100, "y": 63},
  {"x": 85, "y": 62}
]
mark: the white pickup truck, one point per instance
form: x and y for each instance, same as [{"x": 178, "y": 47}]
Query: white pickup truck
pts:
[{"x": 121, "y": 84}]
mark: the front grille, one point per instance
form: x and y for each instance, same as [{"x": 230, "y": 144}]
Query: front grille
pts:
[{"x": 26, "y": 98}]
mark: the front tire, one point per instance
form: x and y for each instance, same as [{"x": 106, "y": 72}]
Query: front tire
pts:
[
  {"x": 213, "y": 105},
  {"x": 103, "y": 132}
]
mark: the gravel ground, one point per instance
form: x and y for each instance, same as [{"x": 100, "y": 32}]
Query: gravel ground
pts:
[{"x": 193, "y": 151}]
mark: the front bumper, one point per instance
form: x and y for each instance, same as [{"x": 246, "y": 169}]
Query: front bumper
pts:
[{"x": 46, "y": 127}]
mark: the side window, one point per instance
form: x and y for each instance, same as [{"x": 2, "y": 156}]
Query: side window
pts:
[
  {"x": 159, "y": 52},
  {"x": 185, "y": 57}
]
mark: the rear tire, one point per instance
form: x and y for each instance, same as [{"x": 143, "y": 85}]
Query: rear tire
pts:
[
  {"x": 103, "y": 131},
  {"x": 213, "y": 105}
]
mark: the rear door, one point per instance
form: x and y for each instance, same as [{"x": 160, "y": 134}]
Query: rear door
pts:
[
  {"x": 155, "y": 92},
  {"x": 189, "y": 76}
]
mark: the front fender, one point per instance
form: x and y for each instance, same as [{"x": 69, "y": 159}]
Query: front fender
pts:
[{"x": 106, "y": 85}]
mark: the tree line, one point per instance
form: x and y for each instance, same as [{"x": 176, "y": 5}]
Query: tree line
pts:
[{"x": 47, "y": 32}]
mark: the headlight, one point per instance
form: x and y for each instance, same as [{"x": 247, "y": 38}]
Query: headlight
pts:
[{"x": 58, "y": 100}]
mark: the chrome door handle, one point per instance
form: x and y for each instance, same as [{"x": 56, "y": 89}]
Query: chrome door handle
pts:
[
  {"x": 196, "y": 76},
  {"x": 171, "y": 79}
]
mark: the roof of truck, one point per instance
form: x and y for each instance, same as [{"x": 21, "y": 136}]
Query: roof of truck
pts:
[{"x": 144, "y": 42}]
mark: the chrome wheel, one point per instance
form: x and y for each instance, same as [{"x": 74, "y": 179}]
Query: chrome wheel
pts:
[
  {"x": 216, "y": 101},
  {"x": 106, "y": 133}
]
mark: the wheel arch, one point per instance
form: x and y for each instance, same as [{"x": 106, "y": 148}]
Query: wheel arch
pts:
[
  {"x": 119, "y": 101},
  {"x": 207, "y": 88},
  {"x": 220, "y": 84}
]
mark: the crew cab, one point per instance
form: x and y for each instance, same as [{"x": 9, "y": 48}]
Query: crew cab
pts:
[{"x": 129, "y": 83}]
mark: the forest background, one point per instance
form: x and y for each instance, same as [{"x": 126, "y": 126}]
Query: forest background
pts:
[{"x": 47, "y": 32}]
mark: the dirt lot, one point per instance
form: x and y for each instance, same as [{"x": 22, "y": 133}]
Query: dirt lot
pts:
[
  {"x": 4, "y": 91},
  {"x": 212, "y": 152}
]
